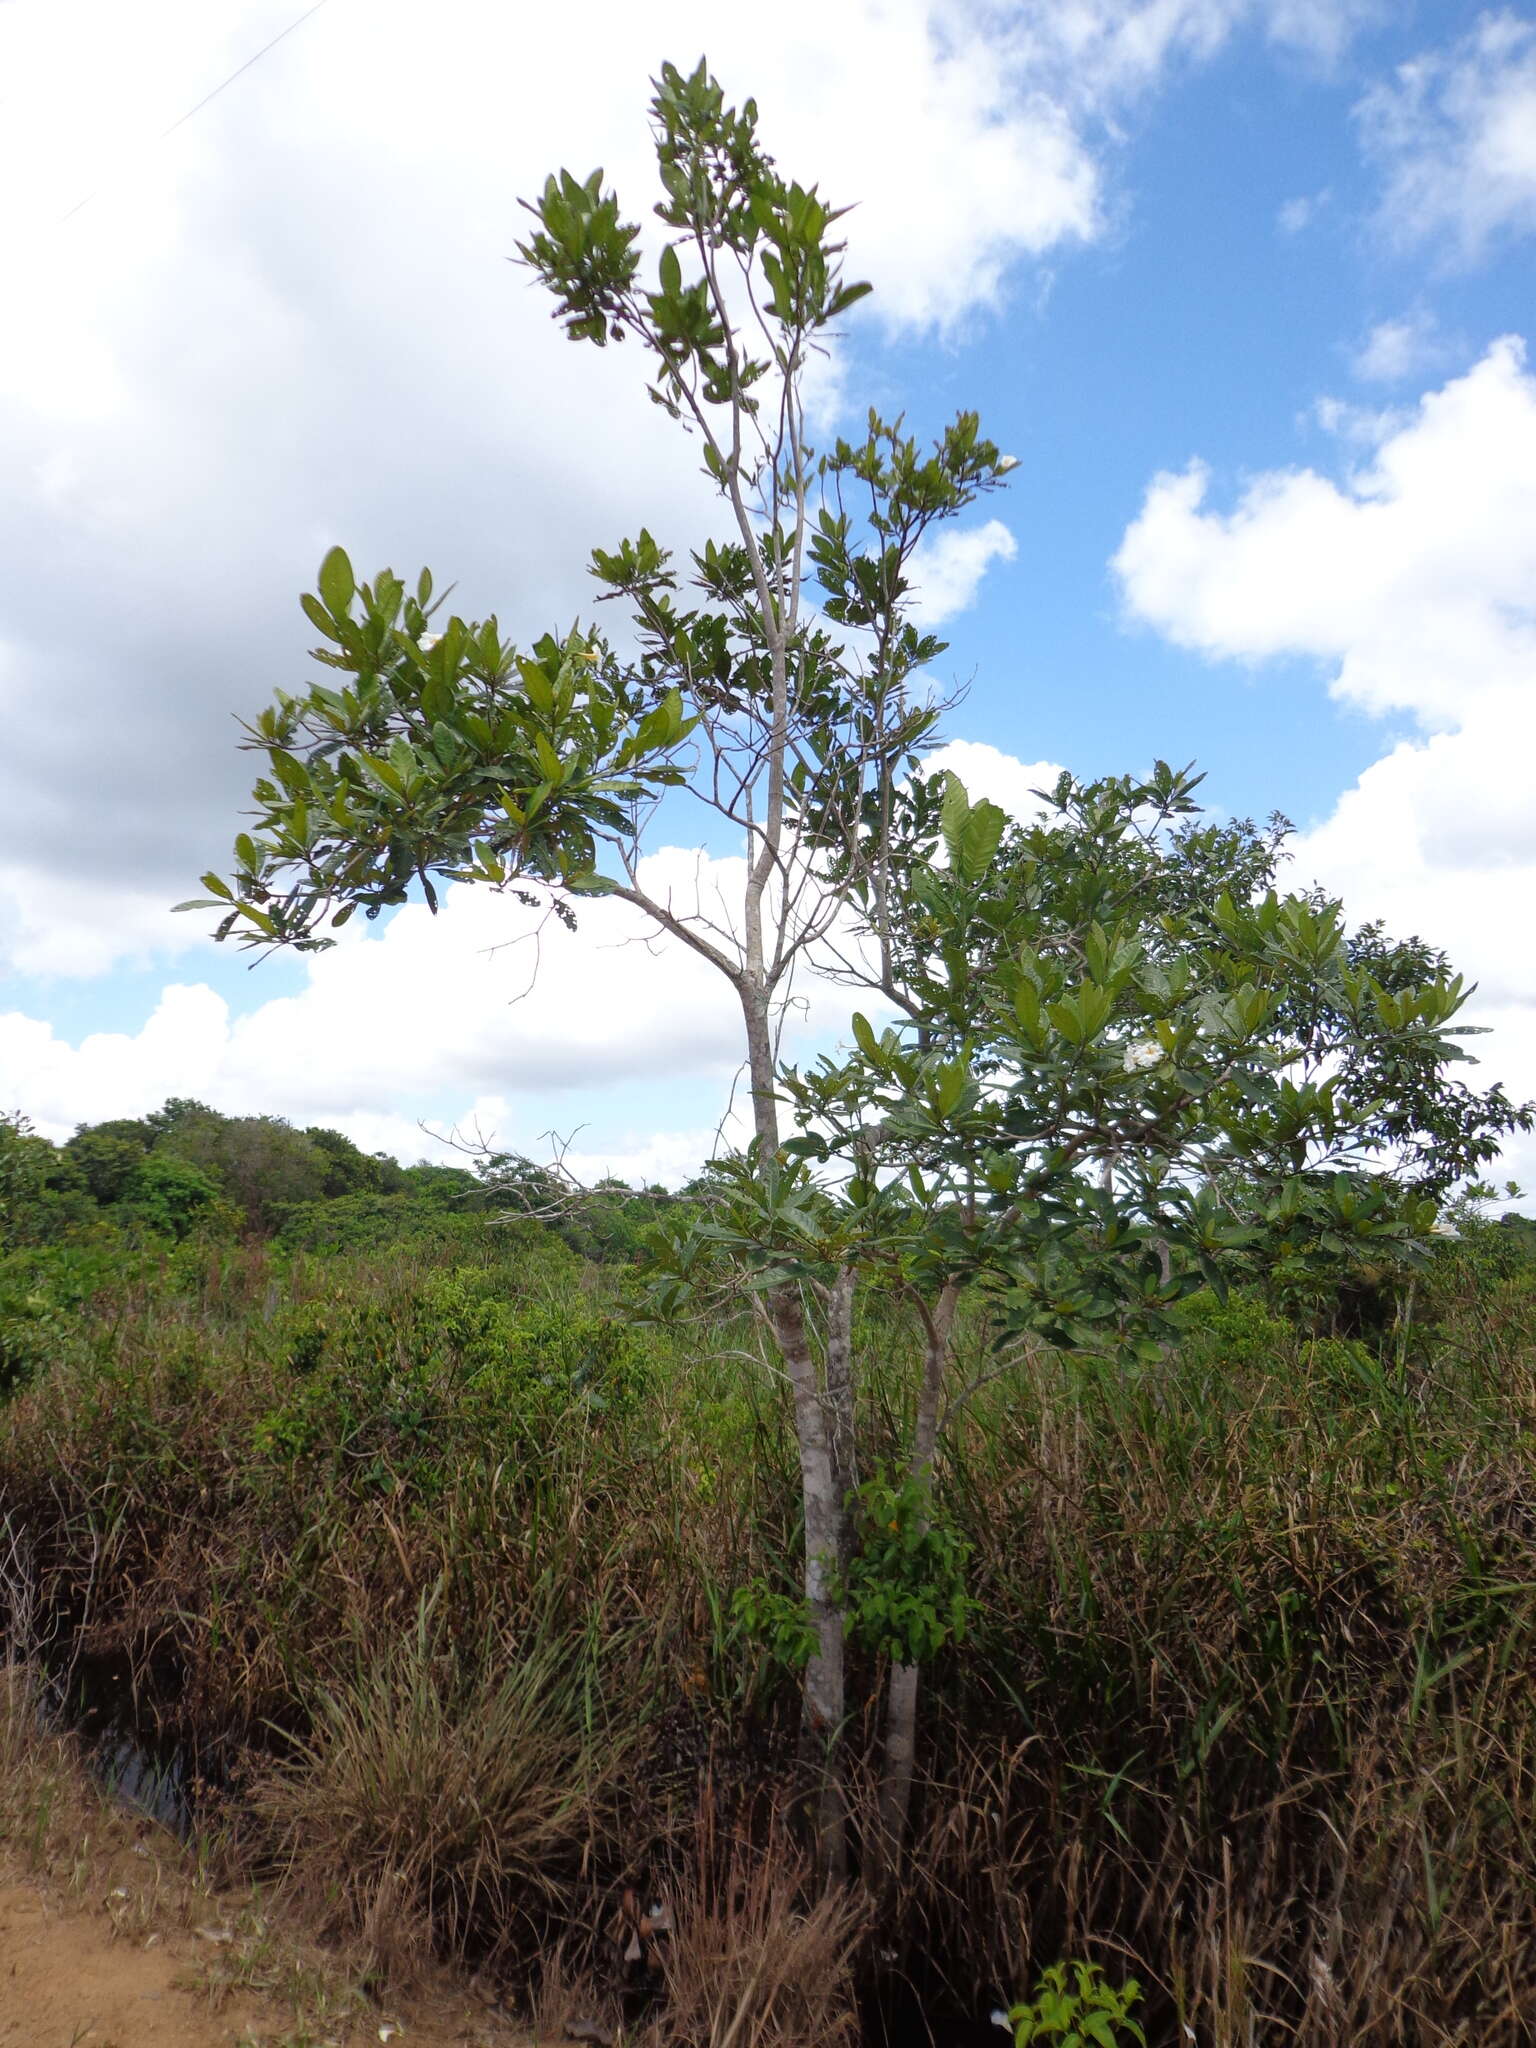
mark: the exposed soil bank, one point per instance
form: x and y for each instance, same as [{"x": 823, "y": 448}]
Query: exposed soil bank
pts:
[
  {"x": 68, "y": 1977},
  {"x": 75, "y": 1976}
]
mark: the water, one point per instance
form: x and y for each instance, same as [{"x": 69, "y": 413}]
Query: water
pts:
[{"x": 159, "y": 1786}]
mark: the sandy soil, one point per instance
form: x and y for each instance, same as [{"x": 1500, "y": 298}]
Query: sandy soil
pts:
[
  {"x": 73, "y": 1977},
  {"x": 110, "y": 1938},
  {"x": 68, "y": 1977}
]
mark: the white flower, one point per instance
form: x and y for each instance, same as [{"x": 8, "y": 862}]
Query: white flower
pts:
[
  {"x": 428, "y": 641},
  {"x": 1142, "y": 1053},
  {"x": 1443, "y": 1229},
  {"x": 1005, "y": 463}
]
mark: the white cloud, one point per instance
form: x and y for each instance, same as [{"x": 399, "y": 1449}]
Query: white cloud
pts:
[
  {"x": 1395, "y": 350},
  {"x": 986, "y": 771},
  {"x": 1412, "y": 577},
  {"x": 292, "y": 321},
  {"x": 491, "y": 1015},
  {"x": 289, "y": 320},
  {"x": 490, "y": 1011},
  {"x": 1103, "y": 53},
  {"x": 1412, "y": 580},
  {"x": 73, "y": 927},
  {"x": 947, "y": 570},
  {"x": 1454, "y": 132}
]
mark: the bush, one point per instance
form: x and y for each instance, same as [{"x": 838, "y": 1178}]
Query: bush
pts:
[
  {"x": 166, "y": 1196},
  {"x": 443, "y": 1793}
]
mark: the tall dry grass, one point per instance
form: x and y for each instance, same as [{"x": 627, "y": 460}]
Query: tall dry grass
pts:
[
  {"x": 757, "y": 1956},
  {"x": 1246, "y": 1712},
  {"x": 443, "y": 1798}
]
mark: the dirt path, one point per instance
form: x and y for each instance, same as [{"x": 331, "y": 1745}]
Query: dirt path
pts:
[
  {"x": 76, "y": 1977},
  {"x": 68, "y": 1980},
  {"x": 110, "y": 1937}
]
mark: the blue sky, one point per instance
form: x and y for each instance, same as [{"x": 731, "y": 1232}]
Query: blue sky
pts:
[{"x": 1283, "y": 240}]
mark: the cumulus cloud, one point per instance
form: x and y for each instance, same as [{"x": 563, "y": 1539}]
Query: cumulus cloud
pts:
[
  {"x": 947, "y": 570},
  {"x": 288, "y": 320},
  {"x": 1412, "y": 580},
  {"x": 491, "y": 1013},
  {"x": 987, "y": 772},
  {"x": 1411, "y": 576},
  {"x": 1454, "y": 134}
]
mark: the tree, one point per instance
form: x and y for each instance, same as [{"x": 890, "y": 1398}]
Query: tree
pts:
[
  {"x": 349, "y": 1170},
  {"x": 449, "y": 755},
  {"x": 260, "y": 1163},
  {"x": 1122, "y": 1067},
  {"x": 25, "y": 1160},
  {"x": 171, "y": 1197},
  {"x": 107, "y": 1155}
]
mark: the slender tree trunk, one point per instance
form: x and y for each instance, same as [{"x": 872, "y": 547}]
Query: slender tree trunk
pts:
[
  {"x": 823, "y": 1695},
  {"x": 903, "y": 1686},
  {"x": 841, "y": 1419},
  {"x": 823, "y": 1698}
]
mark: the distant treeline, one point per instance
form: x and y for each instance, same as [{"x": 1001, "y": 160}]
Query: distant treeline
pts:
[{"x": 187, "y": 1170}]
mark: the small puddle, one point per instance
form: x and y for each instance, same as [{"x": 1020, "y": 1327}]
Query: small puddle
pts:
[
  {"x": 91, "y": 1700},
  {"x": 159, "y": 1787}
]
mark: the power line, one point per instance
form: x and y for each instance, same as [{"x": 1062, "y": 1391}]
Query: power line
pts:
[{"x": 182, "y": 119}]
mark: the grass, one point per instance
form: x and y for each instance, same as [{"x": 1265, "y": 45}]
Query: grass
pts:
[{"x": 432, "y": 1555}]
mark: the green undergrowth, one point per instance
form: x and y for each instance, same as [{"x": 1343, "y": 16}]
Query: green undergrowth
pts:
[{"x": 1243, "y": 1707}]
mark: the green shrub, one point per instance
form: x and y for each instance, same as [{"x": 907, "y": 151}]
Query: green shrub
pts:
[{"x": 1085, "y": 2012}]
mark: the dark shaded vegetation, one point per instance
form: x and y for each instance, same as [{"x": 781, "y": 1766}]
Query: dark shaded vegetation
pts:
[{"x": 383, "y": 1505}]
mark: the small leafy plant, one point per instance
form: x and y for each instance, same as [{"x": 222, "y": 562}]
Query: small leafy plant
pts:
[
  {"x": 905, "y": 1591},
  {"x": 1088, "y": 2013}
]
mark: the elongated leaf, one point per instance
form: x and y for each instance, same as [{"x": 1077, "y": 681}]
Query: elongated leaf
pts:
[
  {"x": 338, "y": 586},
  {"x": 318, "y": 616},
  {"x": 979, "y": 838},
  {"x": 953, "y": 812}
]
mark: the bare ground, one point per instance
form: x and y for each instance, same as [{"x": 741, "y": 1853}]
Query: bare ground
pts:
[
  {"x": 112, "y": 1935},
  {"x": 77, "y": 1975}
]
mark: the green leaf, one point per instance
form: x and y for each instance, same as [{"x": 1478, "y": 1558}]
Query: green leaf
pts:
[
  {"x": 953, "y": 812},
  {"x": 337, "y": 584},
  {"x": 979, "y": 838},
  {"x": 549, "y": 760},
  {"x": 540, "y": 695},
  {"x": 319, "y": 617}
]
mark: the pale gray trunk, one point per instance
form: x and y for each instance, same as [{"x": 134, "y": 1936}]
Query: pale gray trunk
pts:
[
  {"x": 841, "y": 1419},
  {"x": 902, "y": 1688},
  {"x": 823, "y": 1694}
]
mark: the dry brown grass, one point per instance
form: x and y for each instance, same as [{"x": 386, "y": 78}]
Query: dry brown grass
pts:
[
  {"x": 1246, "y": 1712},
  {"x": 757, "y": 1957},
  {"x": 440, "y": 1799}
]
